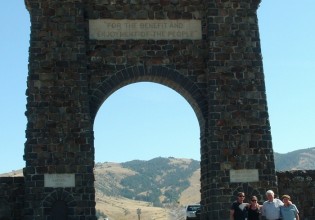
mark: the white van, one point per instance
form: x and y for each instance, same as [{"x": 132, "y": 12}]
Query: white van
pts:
[{"x": 191, "y": 211}]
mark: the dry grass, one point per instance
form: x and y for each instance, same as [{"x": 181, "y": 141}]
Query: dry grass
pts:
[
  {"x": 192, "y": 194},
  {"x": 114, "y": 168},
  {"x": 126, "y": 209},
  {"x": 14, "y": 173}
]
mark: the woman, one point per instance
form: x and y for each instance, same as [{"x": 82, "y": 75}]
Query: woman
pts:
[
  {"x": 288, "y": 211},
  {"x": 253, "y": 209}
]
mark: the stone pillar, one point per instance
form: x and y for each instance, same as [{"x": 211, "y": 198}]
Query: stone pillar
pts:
[
  {"x": 59, "y": 131},
  {"x": 237, "y": 136}
]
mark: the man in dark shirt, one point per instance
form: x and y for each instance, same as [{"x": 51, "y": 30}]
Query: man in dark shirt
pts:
[{"x": 238, "y": 209}]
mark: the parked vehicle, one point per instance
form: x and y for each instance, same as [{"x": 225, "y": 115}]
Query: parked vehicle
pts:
[
  {"x": 191, "y": 211},
  {"x": 198, "y": 213}
]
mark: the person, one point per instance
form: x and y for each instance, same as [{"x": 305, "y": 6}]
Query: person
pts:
[
  {"x": 238, "y": 209},
  {"x": 288, "y": 211},
  {"x": 253, "y": 209},
  {"x": 271, "y": 208}
]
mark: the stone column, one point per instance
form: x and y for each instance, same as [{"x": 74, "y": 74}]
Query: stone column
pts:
[
  {"x": 237, "y": 137},
  {"x": 59, "y": 131}
]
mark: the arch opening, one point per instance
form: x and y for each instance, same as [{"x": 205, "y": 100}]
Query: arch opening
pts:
[{"x": 149, "y": 122}]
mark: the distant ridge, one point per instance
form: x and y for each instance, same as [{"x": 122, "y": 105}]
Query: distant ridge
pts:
[{"x": 303, "y": 159}]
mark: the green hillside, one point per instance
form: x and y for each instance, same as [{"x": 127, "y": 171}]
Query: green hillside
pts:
[{"x": 159, "y": 181}]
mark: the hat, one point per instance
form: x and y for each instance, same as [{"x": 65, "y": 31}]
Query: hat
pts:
[{"x": 286, "y": 196}]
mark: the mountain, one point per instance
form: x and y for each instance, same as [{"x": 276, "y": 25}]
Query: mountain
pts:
[
  {"x": 159, "y": 181},
  {"x": 159, "y": 187},
  {"x": 303, "y": 159}
]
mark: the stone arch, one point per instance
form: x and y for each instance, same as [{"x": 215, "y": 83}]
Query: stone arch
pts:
[
  {"x": 59, "y": 198},
  {"x": 71, "y": 74},
  {"x": 158, "y": 74}
]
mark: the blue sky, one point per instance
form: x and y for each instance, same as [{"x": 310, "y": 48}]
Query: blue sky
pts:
[{"x": 146, "y": 120}]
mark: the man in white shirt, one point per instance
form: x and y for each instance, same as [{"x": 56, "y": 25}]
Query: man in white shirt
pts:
[{"x": 271, "y": 207}]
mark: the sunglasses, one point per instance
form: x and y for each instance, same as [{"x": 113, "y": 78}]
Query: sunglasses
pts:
[
  {"x": 241, "y": 196},
  {"x": 254, "y": 200}
]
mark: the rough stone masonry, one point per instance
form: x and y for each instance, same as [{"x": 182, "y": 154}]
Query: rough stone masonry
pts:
[{"x": 216, "y": 67}]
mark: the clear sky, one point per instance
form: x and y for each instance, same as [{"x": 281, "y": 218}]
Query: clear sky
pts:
[{"x": 146, "y": 120}]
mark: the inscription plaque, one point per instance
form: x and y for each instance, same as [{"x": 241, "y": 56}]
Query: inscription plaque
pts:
[
  {"x": 111, "y": 29},
  {"x": 59, "y": 180},
  {"x": 244, "y": 175}
]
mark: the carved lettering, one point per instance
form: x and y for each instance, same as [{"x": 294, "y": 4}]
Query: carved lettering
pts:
[
  {"x": 109, "y": 29},
  {"x": 59, "y": 180},
  {"x": 244, "y": 175}
]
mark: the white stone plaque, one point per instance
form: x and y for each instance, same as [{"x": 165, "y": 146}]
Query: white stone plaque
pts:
[
  {"x": 244, "y": 175},
  {"x": 111, "y": 29},
  {"x": 59, "y": 180}
]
